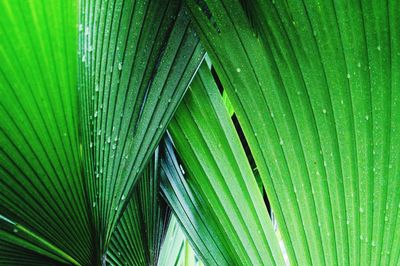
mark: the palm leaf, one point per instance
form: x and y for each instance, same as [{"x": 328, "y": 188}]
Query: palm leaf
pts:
[
  {"x": 138, "y": 236},
  {"x": 308, "y": 121},
  {"x": 202, "y": 227},
  {"x": 176, "y": 250},
  {"x": 16, "y": 254},
  {"x": 138, "y": 58},
  {"x": 218, "y": 171},
  {"x": 109, "y": 127},
  {"x": 41, "y": 182},
  {"x": 18, "y": 246},
  {"x": 322, "y": 76}
]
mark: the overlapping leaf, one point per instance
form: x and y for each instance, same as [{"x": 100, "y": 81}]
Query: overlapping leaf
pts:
[
  {"x": 201, "y": 226},
  {"x": 136, "y": 61},
  {"x": 315, "y": 86},
  {"x": 138, "y": 58},
  {"x": 220, "y": 180},
  {"x": 138, "y": 237},
  {"x": 173, "y": 245}
]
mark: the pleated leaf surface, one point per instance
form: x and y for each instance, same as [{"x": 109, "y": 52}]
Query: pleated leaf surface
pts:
[
  {"x": 315, "y": 87},
  {"x": 220, "y": 176},
  {"x": 137, "y": 59},
  {"x": 41, "y": 181},
  {"x": 139, "y": 234}
]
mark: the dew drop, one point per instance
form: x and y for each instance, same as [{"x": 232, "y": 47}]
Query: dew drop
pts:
[
  {"x": 108, "y": 140},
  {"x": 367, "y": 117},
  {"x": 361, "y": 210},
  {"x": 348, "y": 75},
  {"x": 324, "y": 111},
  {"x": 120, "y": 66},
  {"x": 379, "y": 47},
  {"x": 238, "y": 70},
  {"x": 94, "y": 204},
  {"x": 95, "y": 114},
  {"x": 281, "y": 142},
  {"x": 359, "y": 64},
  {"x": 15, "y": 230},
  {"x": 123, "y": 197}
]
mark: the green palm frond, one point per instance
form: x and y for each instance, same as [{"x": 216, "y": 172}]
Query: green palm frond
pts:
[
  {"x": 218, "y": 171},
  {"x": 131, "y": 83},
  {"x": 202, "y": 227},
  {"x": 41, "y": 182},
  {"x": 18, "y": 246},
  {"x": 315, "y": 88},
  {"x": 138, "y": 236},
  {"x": 284, "y": 149},
  {"x": 176, "y": 249}
]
